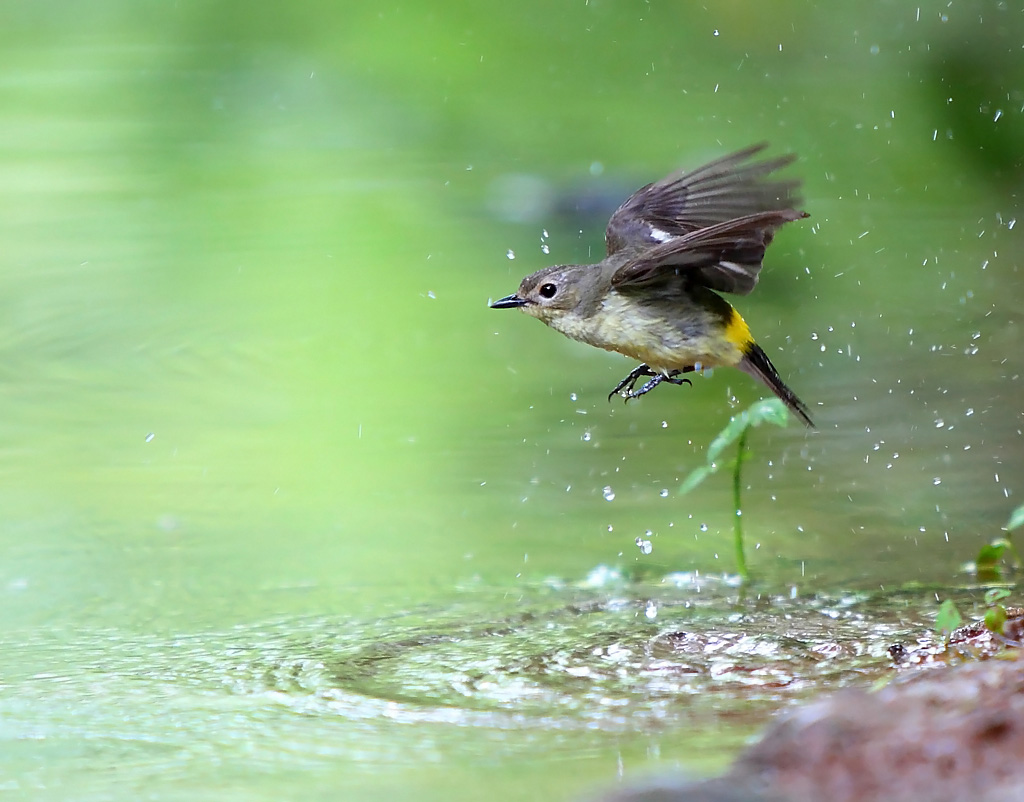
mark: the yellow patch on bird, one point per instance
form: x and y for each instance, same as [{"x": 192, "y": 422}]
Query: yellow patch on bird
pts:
[{"x": 737, "y": 331}]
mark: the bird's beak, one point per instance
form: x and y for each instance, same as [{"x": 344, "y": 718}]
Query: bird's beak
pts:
[{"x": 512, "y": 301}]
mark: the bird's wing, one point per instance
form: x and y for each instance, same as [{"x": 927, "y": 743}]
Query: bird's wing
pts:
[
  {"x": 724, "y": 256},
  {"x": 683, "y": 202}
]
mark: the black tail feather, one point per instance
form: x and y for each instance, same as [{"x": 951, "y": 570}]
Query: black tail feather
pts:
[{"x": 756, "y": 363}]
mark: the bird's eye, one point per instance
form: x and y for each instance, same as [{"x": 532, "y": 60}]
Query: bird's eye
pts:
[{"x": 548, "y": 290}]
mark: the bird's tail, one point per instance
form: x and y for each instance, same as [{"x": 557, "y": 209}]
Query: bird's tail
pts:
[{"x": 756, "y": 363}]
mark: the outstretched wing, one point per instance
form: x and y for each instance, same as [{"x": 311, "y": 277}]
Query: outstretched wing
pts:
[
  {"x": 682, "y": 203},
  {"x": 724, "y": 256}
]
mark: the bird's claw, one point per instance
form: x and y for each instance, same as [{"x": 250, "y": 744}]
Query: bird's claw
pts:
[
  {"x": 630, "y": 381},
  {"x": 626, "y": 387}
]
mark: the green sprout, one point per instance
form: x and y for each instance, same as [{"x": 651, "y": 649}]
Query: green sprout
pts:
[
  {"x": 986, "y": 564},
  {"x": 770, "y": 410},
  {"x": 995, "y": 615},
  {"x": 947, "y": 620}
]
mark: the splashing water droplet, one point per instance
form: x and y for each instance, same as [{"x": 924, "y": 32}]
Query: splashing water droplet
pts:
[
  {"x": 510, "y": 254},
  {"x": 644, "y": 546},
  {"x": 651, "y": 610},
  {"x": 609, "y": 494}
]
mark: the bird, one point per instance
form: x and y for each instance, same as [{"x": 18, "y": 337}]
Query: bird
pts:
[{"x": 672, "y": 247}]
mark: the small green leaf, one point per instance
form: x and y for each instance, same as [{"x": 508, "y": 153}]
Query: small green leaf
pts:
[
  {"x": 768, "y": 410},
  {"x": 993, "y": 595},
  {"x": 697, "y": 475},
  {"x": 1016, "y": 519},
  {"x": 948, "y": 618},
  {"x": 995, "y": 618},
  {"x": 729, "y": 435},
  {"x": 990, "y": 554}
]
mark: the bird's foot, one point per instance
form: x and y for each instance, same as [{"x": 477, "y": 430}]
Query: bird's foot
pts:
[
  {"x": 626, "y": 387},
  {"x": 630, "y": 381}
]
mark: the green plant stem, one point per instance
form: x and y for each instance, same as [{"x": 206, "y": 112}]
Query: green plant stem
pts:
[{"x": 737, "y": 484}]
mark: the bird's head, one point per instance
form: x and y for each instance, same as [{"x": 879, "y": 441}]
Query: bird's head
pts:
[{"x": 553, "y": 292}]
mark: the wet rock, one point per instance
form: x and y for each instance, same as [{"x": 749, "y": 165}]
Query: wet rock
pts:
[
  {"x": 946, "y": 735},
  {"x": 972, "y": 641}
]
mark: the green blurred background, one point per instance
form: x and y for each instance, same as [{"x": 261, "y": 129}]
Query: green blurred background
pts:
[{"x": 249, "y": 375}]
